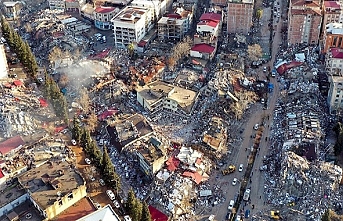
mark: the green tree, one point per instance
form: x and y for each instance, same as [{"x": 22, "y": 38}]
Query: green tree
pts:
[
  {"x": 106, "y": 165},
  {"x": 130, "y": 201},
  {"x": 326, "y": 216},
  {"x": 115, "y": 182},
  {"x": 338, "y": 129},
  {"x": 131, "y": 49},
  {"x": 146, "y": 216},
  {"x": 136, "y": 213},
  {"x": 259, "y": 13},
  {"x": 76, "y": 131},
  {"x": 96, "y": 154}
]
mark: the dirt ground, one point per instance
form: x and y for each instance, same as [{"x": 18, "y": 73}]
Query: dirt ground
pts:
[{"x": 94, "y": 189}]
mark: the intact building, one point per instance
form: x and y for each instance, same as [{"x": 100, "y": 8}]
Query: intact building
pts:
[
  {"x": 331, "y": 12},
  {"x": 239, "y": 16},
  {"x": 334, "y": 62},
  {"x": 53, "y": 187},
  {"x": 332, "y": 37},
  {"x": 3, "y": 62},
  {"x": 57, "y": 4},
  {"x": 159, "y": 95},
  {"x": 103, "y": 16},
  {"x": 304, "y": 21},
  {"x": 131, "y": 24},
  {"x": 335, "y": 95}
]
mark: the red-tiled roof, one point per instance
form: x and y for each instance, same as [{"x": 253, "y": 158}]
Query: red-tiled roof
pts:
[
  {"x": 142, "y": 43},
  {"x": 1, "y": 174},
  {"x": 197, "y": 178},
  {"x": 306, "y": 11},
  {"x": 211, "y": 17},
  {"x": 104, "y": 9},
  {"x": 172, "y": 163},
  {"x": 331, "y": 4},
  {"x": 337, "y": 53},
  {"x": 209, "y": 23},
  {"x": 17, "y": 83},
  {"x": 204, "y": 48},
  {"x": 10, "y": 144},
  {"x": 174, "y": 15},
  {"x": 157, "y": 215},
  {"x": 80, "y": 209},
  {"x": 305, "y": 3}
]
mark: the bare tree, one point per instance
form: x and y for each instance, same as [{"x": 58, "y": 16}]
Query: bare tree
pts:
[
  {"x": 92, "y": 122},
  {"x": 179, "y": 51},
  {"x": 55, "y": 54},
  {"x": 254, "y": 52},
  {"x": 64, "y": 80},
  {"x": 84, "y": 100}
]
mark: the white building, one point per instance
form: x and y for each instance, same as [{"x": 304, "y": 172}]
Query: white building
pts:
[
  {"x": 158, "y": 7},
  {"x": 3, "y": 63},
  {"x": 335, "y": 95},
  {"x": 106, "y": 214},
  {"x": 57, "y": 4},
  {"x": 131, "y": 24},
  {"x": 334, "y": 61}
]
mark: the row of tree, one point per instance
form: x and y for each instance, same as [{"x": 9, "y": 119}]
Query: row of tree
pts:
[
  {"x": 137, "y": 210},
  {"x": 20, "y": 47},
  {"x": 57, "y": 99},
  {"x": 101, "y": 161}
]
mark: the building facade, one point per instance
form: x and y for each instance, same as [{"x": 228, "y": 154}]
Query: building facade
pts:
[
  {"x": 131, "y": 24},
  {"x": 53, "y": 187},
  {"x": 208, "y": 29},
  {"x": 332, "y": 37},
  {"x": 102, "y": 17},
  {"x": 331, "y": 12},
  {"x": 335, "y": 95},
  {"x": 334, "y": 62},
  {"x": 239, "y": 16},
  {"x": 57, "y": 5},
  {"x": 304, "y": 22},
  {"x": 72, "y": 6}
]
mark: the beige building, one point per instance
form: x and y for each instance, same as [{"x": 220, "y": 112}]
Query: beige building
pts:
[
  {"x": 160, "y": 95},
  {"x": 215, "y": 135},
  {"x": 150, "y": 156},
  {"x": 334, "y": 61},
  {"x": 335, "y": 95},
  {"x": 53, "y": 187},
  {"x": 239, "y": 16}
]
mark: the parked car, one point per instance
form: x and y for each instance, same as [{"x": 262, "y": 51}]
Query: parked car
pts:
[
  {"x": 234, "y": 182},
  {"x": 240, "y": 169},
  {"x": 73, "y": 142},
  {"x": 127, "y": 218},
  {"x": 102, "y": 182},
  {"x": 116, "y": 204},
  {"x": 88, "y": 161},
  {"x": 110, "y": 194},
  {"x": 246, "y": 195},
  {"x": 231, "y": 204},
  {"x": 256, "y": 127},
  {"x": 247, "y": 213}
]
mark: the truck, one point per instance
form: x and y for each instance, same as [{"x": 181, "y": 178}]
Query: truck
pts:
[
  {"x": 275, "y": 215},
  {"x": 246, "y": 195},
  {"x": 230, "y": 169}
]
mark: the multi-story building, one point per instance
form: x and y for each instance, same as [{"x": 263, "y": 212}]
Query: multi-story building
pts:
[
  {"x": 159, "y": 95},
  {"x": 72, "y": 6},
  {"x": 150, "y": 156},
  {"x": 53, "y": 187},
  {"x": 159, "y": 8},
  {"x": 335, "y": 95},
  {"x": 175, "y": 26},
  {"x": 304, "y": 21},
  {"x": 332, "y": 36},
  {"x": 239, "y": 16},
  {"x": 87, "y": 12},
  {"x": 334, "y": 62},
  {"x": 57, "y": 5},
  {"x": 12, "y": 9},
  {"x": 3, "y": 62},
  {"x": 331, "y": 12},
  {"x": 102, "y": 17},
  {"x": 131, "y": 24},
  {"x": 208, "y": 29}
]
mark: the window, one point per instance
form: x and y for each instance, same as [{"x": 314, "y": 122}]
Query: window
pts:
[
  {"x": 60, "y": 203},
  {"x": 70, "y": 196}
]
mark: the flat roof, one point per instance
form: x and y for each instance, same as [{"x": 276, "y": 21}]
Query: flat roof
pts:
[
  {"x": 104, "y": 214},
  {"x": 166, "y": 20},
  {"x": 130, "y": 14},
  {"x": 334, "y": 28},
  {"x": 49, "y": 180},
  {"x": 80, "y": 209},
  {"x": 10, "y": 193}
]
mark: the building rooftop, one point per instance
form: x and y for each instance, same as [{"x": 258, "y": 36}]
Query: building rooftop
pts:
[
  {"x": 306, "y": 3},
  {"x": 211, "y": 17},
  {"x": 10, "y": 193},
  {"x": 169, "y": 20},
  {"x": 306, "y": 11},
  {"x": 242, "y": 1},
  {"x": 104, "y": 10},
  {"x": 203, "y": 48},
  {"x": 209, "y": 23},
  {"x": 104, "y": 214},
  {"x": 50, "y": 181},
  {"x": 150, "y": 150},
  {"x": 329, "y": 5},
  {"x": 336, "y": 53},
  {"x": 334, "y": 28},
  {"x": 215, "y": 134},
  {"x": 79, "y": 210},
  {"x": 10, "y": 144},
  {"x": 130, "y": 14}
]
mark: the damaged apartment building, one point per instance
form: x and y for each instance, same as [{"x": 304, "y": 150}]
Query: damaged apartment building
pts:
[
  {"x": 215, "y": 136},
  {"x": 159, "y": 95}
]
